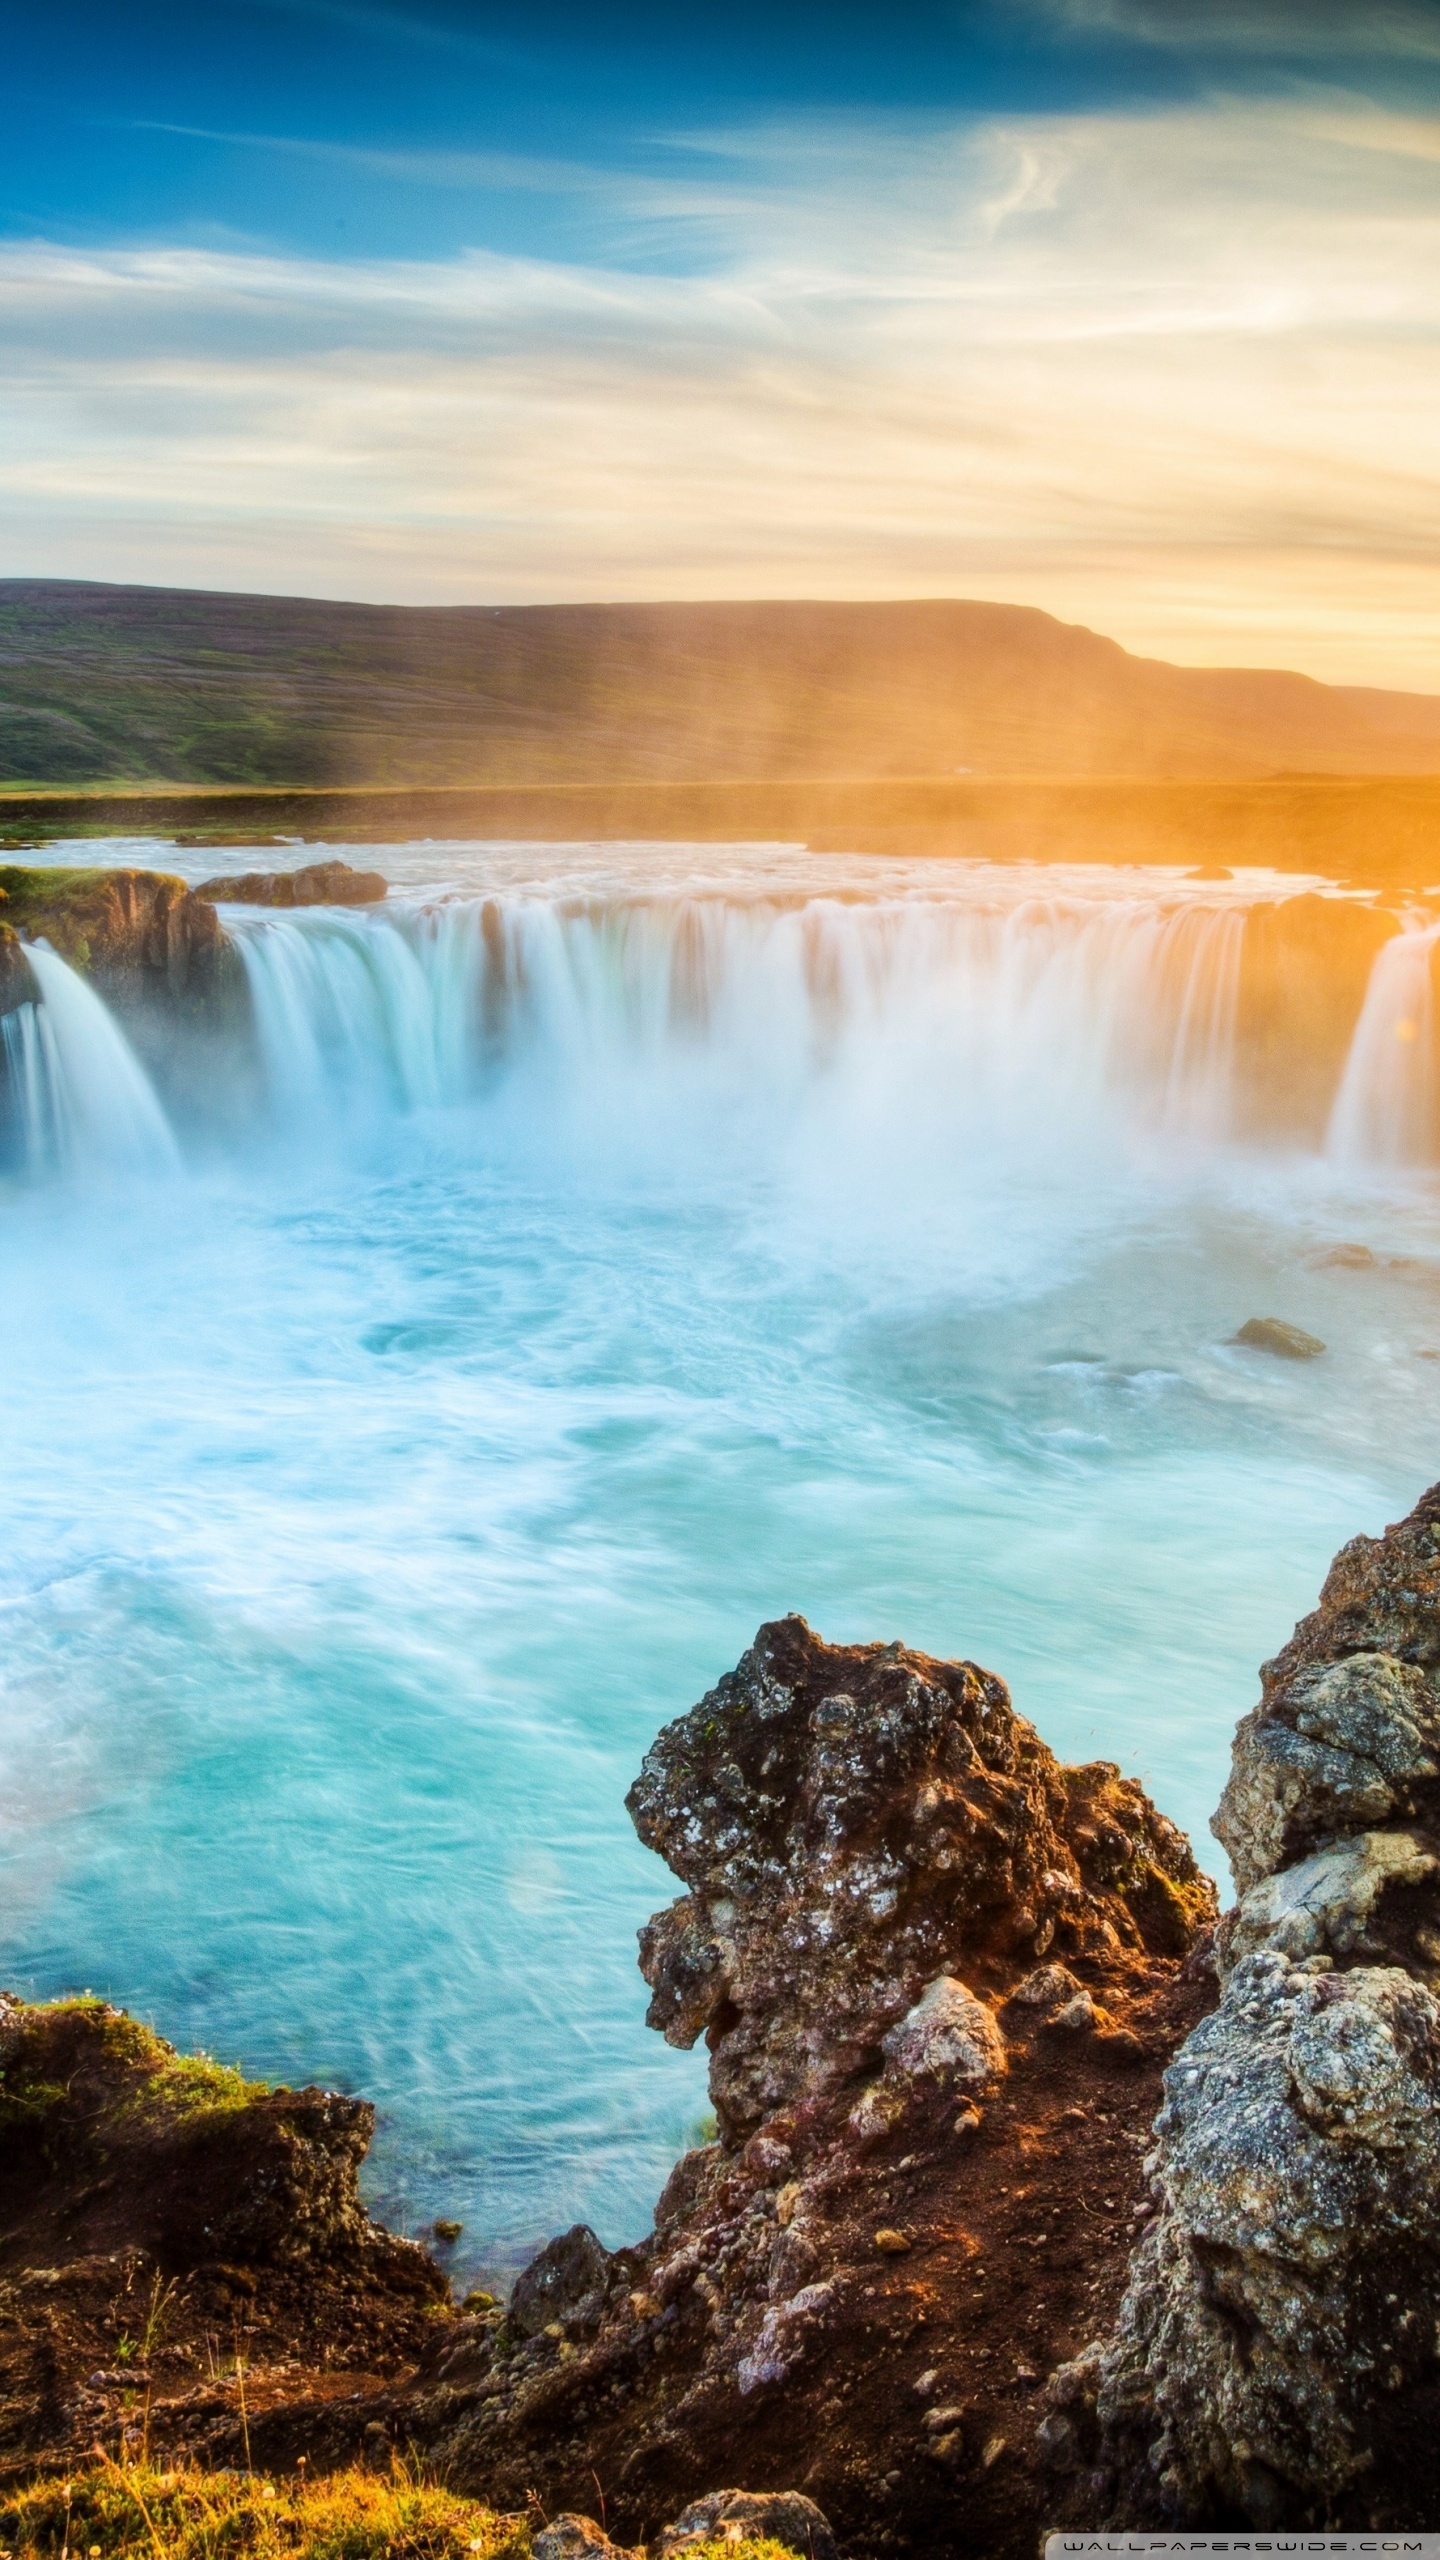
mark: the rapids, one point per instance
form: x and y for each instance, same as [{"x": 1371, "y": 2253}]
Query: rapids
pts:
[{"x": 617, "y": 1247}]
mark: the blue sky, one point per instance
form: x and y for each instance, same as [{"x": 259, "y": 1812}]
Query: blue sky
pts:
[
  {"x": 369, "y": 128},
  {"x": 1123, "y": 306}
]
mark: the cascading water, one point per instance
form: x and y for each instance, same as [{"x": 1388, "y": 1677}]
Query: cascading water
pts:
[
  {"x": 1385, "y": 1113},
  {"x": 660, "y": 1239},
  {"x": 1011, "y": 1021},
  {"x": 80, "y": 1100}
]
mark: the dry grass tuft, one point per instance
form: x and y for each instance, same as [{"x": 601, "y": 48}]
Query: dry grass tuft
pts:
[{"x": 135, "y": 2511}]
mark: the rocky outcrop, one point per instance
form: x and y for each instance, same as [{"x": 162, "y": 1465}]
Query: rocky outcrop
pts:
[
  {"x": 938, "y": 1973},
  {"x": 854, "y": 1824},
  {"x": 1276, "y": 2359},
  {"x": 142, "y": 937},
  {"x": 315, "y": 884},
  {"x": 151, "y": 2206},
  {"x": 17, "y": 978}
]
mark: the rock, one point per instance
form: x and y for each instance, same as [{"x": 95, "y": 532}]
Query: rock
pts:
[
  {"x": 874, "y": 1849},
  {"x": 1333, "y": 1747},
  {"x": 1077, "y": 2017},
  {"x": 1327, "y": 1905},
  {"x": 566, "y": 2282},
  {"x": 784, "y": 2335},
  {"x": 948, "y": 2036},
  {"x": 141, "y": 936},
  {"x": 777, "y": 2515},
  {"x": 17, "y": 978},
  {"x": 855, "y": 1823},
  {"x": 575, "y": 2538},
  {"x": 1286, "y": 1341},
  {"x": 1057, "y": 2441},
  {"x": 1047, "y": 1989},
  {"x": 1274, "y": 2352},
  {"x": 315, "y": 884}
]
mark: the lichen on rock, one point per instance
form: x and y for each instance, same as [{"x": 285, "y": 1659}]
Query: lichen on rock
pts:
[
  {"x": 1276, "y": 2358},
  {"x": 857, "y": 1826}
]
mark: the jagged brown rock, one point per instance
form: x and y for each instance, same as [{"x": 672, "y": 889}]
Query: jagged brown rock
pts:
[
  {"x": 17, "y": 978},
  {"x": 779, "y": 2516},
  {"x": 925, "y": 1956},
  {"x": 855, "y": 1823},
  {"x": 1276, "y": 2359},
  {"x": 143, "y": 937},
  {"x": 938, "y": 1973}
]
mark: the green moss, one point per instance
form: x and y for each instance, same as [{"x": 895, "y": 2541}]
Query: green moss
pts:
[
  {"x": 72, "y": 910},
  {"x": 26, "y": 2103},
  {"x": 149, "y": 2081}
]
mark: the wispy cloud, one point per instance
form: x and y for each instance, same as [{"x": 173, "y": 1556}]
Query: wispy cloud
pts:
[
  {"x": 1170, "y": 374},
  {"x": 1358, "y": 30},
  {"x": 429, "y": 167},
  {"x": 410, "y": 29}
]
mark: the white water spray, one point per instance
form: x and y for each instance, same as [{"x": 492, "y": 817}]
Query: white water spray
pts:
[
  {"x": 1054, "y": 1011},
  {"x": 82, "y": 1102},
  {"x": 1385, "y": 1110}
]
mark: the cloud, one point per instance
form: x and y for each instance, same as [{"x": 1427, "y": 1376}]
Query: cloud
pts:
[
  {"x": 1295, "y": 30},
  {"x": 1168, "y": 374},
  {"x": 430, "y": 167}
]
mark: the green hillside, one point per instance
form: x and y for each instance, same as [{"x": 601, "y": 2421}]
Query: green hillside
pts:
[{"x": 139, "y": 684}]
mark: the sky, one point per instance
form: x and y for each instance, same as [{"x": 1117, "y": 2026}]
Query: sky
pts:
[{"x": 1129, "y": 309}]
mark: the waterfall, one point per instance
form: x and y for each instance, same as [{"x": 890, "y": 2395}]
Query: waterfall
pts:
[
  {"x": 81, "y": 1101},
  {"x": 1050, "y": 1012},
  {"x": 1385, "y": 1111}
]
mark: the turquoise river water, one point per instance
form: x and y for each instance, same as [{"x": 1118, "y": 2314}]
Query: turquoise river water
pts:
[{"x": 620, "y": 1247}]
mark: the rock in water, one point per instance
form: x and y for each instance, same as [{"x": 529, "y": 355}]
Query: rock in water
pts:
[
  {"x": 315, "y": 884},
  {"x": 1275, "y": 2357},
  {"x": 1286, "y": 1341}
]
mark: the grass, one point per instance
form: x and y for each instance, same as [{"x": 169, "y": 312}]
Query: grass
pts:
[
  {"x": 145, "y": 2081},
  {"x": 67, "y": 907},
  {"x": 136, "y": 2511}
]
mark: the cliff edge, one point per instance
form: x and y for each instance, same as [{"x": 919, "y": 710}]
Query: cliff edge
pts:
[
  {"x": 1276, "y": 2359},
  {"x": 938, "y": 1973}
]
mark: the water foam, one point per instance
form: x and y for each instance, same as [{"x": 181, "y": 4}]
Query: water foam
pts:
[
  {"x": 82, "y": 1103},
  {"x": 619, "y": 1260}
]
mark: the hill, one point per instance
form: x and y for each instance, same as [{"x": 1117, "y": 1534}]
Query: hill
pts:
[{"x": 106, "y": 684}]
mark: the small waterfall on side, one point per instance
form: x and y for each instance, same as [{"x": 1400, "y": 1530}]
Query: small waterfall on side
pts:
[
  {"x": 82, "y": 1102},
  {"x": 1385, "y": 1113}
]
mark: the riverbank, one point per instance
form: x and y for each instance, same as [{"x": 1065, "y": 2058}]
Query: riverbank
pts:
[
  {"x": 1378, "y": 833},
  {"x": 918, "y": 2201}
]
